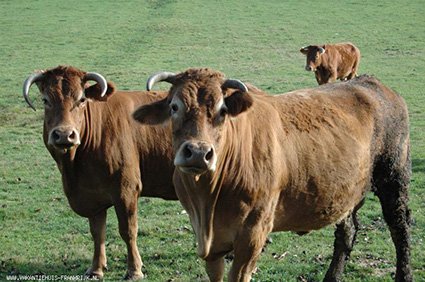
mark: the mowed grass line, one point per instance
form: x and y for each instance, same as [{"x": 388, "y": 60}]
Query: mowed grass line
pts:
[{"x": 254, "y": 41}]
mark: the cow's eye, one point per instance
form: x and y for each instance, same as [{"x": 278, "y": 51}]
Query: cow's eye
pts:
[
  {"x": 221, "y": 115},
  {"x": 82, "y": 102},
  {"x": 223, "y": 112},
  {"x": 174, "y": 108},
  {"x": 46, "y": 102}
]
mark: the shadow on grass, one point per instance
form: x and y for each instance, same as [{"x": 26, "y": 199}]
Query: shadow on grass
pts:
[{"x": 418, "y": 165}]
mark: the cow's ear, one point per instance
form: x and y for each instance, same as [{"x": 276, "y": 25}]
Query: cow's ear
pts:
[
  {"x": 304, "y": 50},
  {"x": 322, "y": 49},
  {"x": 94, "y": 91},
  {"x": 153, "y": 114},
  {"x": 238, "y": 103}
]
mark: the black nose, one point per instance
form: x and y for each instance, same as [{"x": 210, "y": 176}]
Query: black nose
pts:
[
  {"x": 64, "y": 137},
  {"x": 195, "y": 156},
  {"x": 200, "y": 152},
  {"x": 308, "y": 68}
]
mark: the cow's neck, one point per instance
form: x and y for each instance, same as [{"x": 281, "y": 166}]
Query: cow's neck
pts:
[
  {"x": 65, "y": 163},
  {"x": 91, "y": 130},
  {"x": 202, "y": 192},
  {"x": 199, "y": 194}
]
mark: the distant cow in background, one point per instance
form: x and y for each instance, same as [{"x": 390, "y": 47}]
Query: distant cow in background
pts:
[
  {"x": 332, "y": 61},
  {"x": 105, "y": 157},
  {"x": 248, "y": 163}
]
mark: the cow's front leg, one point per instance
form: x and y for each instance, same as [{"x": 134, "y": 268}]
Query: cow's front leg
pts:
[
  {"x": 319, "y": 77},
  {"x": 126, "y": 210},
  {"x": 333, "y": 76},
  {"x": 215, "y": 269},
  {"x": 249, "y": 244},
  {"x": 98, "y": 231}
]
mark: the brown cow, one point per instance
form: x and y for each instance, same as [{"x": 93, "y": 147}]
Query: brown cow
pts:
[
  {"x": 105, "y": 157},
  {"x": 332, "y": 61},
  {"x": 248, "y": 163}
]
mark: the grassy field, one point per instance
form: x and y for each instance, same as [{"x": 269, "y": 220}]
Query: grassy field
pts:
[{"x": 255, "y": 41}]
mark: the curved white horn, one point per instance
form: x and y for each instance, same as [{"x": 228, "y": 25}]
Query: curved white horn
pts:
[
  {"x": 235, "y": 84},
  {"x": 27, "y": 85},
  {"x": 157, "y": 77},
  {"x": 99, "y": 79}
]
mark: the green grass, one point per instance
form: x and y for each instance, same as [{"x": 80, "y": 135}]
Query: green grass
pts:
[{"x": 255, "y": 41}]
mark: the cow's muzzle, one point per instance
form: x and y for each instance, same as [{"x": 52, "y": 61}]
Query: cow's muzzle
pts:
[
  {"x": 195, "y": 157},
  {"x": 309, "y": 68},
  {"x": 64, "y": 138}
]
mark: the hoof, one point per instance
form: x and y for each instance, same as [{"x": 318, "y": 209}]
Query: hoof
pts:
[
  {"x": 133, "y": 276},
  {"x": 94, "y": 274}
]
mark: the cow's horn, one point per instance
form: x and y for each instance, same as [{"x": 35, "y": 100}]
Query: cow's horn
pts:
[
  {"x": 235, "y": 84},
  {"x": 157, "y": 77},
  {"x": 99, "y": 79},
  {"x": 27, "y": 85}
]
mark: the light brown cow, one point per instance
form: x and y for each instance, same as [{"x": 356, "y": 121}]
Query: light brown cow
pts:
[
  {"x": 248, "y": 163},
  {"x": 332, "y": 61},
  {"x": 105, "y": 157}
]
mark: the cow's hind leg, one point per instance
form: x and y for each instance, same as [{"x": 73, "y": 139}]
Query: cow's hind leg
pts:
[
  {"x": 351, "y": 75},
  {"x": 345, "y": 235},
  {"x": 353, "y": 72},
  {"x": 391, "y": 187},
  {"x": 98, "y": 231}
]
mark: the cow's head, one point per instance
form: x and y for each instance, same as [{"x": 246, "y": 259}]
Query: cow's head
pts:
[
  {"x": 65, "y": 93},
  {"x": 199, "y": 105},
  {"x": 314, "y": 56}
]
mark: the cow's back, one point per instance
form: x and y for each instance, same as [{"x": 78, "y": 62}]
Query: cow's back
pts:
[{"x": 346, "y": 47}]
